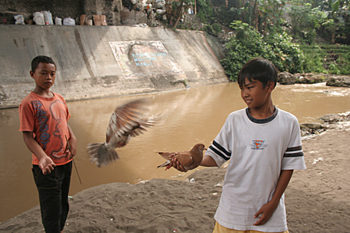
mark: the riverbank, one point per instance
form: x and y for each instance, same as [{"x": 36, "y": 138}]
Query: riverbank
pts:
[{"x": 316, "y": 198}]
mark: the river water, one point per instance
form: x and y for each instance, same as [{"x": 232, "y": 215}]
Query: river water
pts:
[{"x": 188, "y": 116}]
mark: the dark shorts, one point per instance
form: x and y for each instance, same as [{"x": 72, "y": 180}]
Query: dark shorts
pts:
[{"x": 53, "y": 192}]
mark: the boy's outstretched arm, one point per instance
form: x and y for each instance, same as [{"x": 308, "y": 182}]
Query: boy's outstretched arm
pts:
[
  {"x": 207, "y": 161},
  {"x": 267, "y": 210},
  {"x": 72, "y": 148},
  {"x": 45, "y": 162}
]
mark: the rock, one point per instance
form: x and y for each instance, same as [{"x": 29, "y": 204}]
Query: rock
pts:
[
  {"x": 339, "y": 81},
  {"x": 330, "y": 121},
  {"x": 314, "y": 126},
  {"x": 334, "y": 118},
  {"x": 309, "y": 78},
  {"x": 331, "y": 118},
  {"x": 311, "y": 128},
  {"x": 285, "y": 78}
]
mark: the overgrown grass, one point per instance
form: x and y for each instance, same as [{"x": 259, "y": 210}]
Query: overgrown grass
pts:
[{"x": 325, "y": 58}]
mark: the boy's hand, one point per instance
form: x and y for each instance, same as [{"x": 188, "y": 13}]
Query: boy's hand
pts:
[
  {"x": 46, "y": 164},
  {"x": 265, "y": 213},
  {"x": 174, "y": 163},
  {"x": 71, "y": 147}
]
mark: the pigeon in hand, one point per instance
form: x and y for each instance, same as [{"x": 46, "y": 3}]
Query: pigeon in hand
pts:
[
  {"x": 188, "y": 159},
  {"x": 126, "y": 121}
]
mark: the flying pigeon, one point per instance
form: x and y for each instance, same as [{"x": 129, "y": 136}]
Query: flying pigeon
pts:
[
  {"x": 127, "y": 121},
  {"x": 188, "y": 159}
]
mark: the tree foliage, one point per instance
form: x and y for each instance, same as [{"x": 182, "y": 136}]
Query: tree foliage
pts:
[
  {"x": 305, "y": 18},
  {"x": 248, "y": 43},
  {"x": 271, "y": 29}
]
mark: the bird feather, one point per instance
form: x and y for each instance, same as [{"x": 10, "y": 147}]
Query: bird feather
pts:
[{"x": 127, "y": 120}]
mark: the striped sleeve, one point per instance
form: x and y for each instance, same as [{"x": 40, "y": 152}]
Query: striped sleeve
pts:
[
  {"x": 293, "y": 158},
  {"x": 294, "y": 152},
  {"x": 219, "y": 150}
]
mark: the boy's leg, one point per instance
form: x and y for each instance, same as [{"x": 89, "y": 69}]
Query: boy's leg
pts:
[
  {"x": 65, "y": 190},
  {"x": 50, "y": 198}
]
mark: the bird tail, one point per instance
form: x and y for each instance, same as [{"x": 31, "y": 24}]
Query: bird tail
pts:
[
  {"x": 166, "y": 164},
  {"x": 101, "y": 155}
]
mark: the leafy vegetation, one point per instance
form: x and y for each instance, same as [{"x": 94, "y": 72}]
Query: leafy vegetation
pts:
[
  {"x": 248, "y": 43},
  {"x": 287, "y": 32},
  {"x": 332, "y": 59}
]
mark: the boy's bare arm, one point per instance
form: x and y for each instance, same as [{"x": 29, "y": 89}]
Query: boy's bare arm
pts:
[
  {"x": 267, "y": 210},
  {"x": 207, "y": 161},
  {"x": 45, "y": 162},
  {"x": 72, "y": 149}
]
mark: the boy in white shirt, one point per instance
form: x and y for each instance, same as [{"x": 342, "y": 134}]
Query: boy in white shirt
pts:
[{"x": 263, "y": 144}]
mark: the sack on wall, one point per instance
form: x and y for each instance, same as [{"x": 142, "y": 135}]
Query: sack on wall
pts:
[
  {"x": 68, "y": 21},
  {"x": 39, "y": 18},
  {"x": 47, "y": 17},
  {"x": 58, "y": 21},
  {"x": 103, "y": 20},
  {"x": 97, "y": 20},
  {"x": 83, "y": 19},
  {"x": 19, "y": 19}
]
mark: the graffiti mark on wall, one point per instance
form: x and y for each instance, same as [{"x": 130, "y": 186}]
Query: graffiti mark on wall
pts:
[{"x": 144, "y": 58}]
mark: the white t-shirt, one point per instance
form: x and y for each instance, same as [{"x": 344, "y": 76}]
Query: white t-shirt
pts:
[{"x": 258, "y": 151}]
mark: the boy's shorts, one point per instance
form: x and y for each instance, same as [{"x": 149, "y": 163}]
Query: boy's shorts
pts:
[{"x": 220, "y": 229}]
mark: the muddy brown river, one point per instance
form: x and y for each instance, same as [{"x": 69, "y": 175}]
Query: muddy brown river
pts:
[{"x": 189, "y": 116}]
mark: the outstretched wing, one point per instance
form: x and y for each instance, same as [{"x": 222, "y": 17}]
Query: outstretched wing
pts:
[
  {"x": 128, "y": 119},
  {"x": 167, "y": 155}
]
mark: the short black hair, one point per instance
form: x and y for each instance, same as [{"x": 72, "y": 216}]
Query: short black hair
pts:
[
  {"x": 41, "y": 59},
  {"x": 258, "y": 69}
]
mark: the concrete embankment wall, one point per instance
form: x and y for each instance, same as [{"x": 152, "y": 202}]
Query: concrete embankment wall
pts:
[{"x": 95, "y": 62}]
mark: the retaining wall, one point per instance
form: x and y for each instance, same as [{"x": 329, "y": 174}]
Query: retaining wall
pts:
[{"x": 95, "y": 62}]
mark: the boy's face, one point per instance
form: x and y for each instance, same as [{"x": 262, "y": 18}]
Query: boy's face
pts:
[
  {"x": 253, "y": 93},
  {"x": 44, "y": 75}
]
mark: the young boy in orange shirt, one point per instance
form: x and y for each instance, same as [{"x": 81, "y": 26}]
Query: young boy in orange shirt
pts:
[
  {"x": 263, "y": 144},
  {"x": 43, "y": 121}
]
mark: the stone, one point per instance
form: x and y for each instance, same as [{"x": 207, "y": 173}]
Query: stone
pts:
[
  {"x": 309, "y": 78},
  {"x": 286, "y": 78},
  {"x": 331, "y": 118},
  {"x": 311, "y": 128},
  {"x": 339, "y": 81}
]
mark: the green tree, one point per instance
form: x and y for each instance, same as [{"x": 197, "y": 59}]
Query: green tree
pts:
[
  {"x": 329, "y": 18},
  {"x": 248, "y": 43},
  {"x": 306, "y": 20}
]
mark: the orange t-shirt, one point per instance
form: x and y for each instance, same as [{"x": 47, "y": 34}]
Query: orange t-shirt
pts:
[{"x": 47, "y": 118}]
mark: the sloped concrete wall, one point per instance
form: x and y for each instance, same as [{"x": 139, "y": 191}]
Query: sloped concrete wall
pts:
[{"x": 88, "y": 68}]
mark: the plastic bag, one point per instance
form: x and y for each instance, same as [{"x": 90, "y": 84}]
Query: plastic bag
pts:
[
  {"x": 68, "y": 21},
  {"x": 19, "y": 19},
  {"x": 160, "y": 12},
  {"x": 39, "y": 18},
  {"x": 47, "y": 17},
  {"x": 159, "y": 4},
  {"x": 58, "y": 21}
]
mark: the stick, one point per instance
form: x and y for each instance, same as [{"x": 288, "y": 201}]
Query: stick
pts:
[{"x": 76, "y": 169}]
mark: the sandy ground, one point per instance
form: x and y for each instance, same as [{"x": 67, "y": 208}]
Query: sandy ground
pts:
[{"x": 317, "y": 199}]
